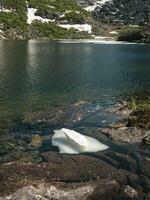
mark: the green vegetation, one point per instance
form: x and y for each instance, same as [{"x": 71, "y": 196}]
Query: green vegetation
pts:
[
  {"x": 50, "y": 31},
  {"x": 57, "y": 5},
  {"x": 75, "y": 17},
  {"x": 17, "y": 5},
  {"x": 12, "y": 20},
  {"x": 55, "y": 8},
  {"x": 14, "y": 23},
  {"x": 140, "y": 116},
  {"x": 17, "y": 18}
]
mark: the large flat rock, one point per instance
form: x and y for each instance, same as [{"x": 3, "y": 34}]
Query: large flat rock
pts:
[{"x": 56, "y": 168}]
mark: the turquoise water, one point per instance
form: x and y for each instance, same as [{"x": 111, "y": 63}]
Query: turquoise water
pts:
[{"x": 36, "y": 75}]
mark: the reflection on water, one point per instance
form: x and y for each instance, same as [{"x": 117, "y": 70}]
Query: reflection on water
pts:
[{"x": 38, "y": 74}]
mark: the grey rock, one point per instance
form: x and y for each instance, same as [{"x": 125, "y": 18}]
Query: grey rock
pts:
[
  {"x": 105, "y": 191},
  {"x": 125, "y": 161},
  {"x": 58, "y": 168},
  {"x": 128, "y": 135},
  {"x": 129, "y": 193},
  {"x": 50, "y": 192},
  {"x": 123, "y": 12},
  {"x": 146, "y": 140},
  {"x": 147, "y": 196}
]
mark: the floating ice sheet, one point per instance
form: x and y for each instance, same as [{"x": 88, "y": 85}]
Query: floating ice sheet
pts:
[{"x": 72, "y": 142}]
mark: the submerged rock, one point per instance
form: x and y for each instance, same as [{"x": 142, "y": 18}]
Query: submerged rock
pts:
[
  {"x": 147, "y": 197},
  {"x": 121, "y": 109},
  {"x": 125, "y": 161},
  {"x": 125, "y": 134},
  {"x": 146, "y": 140},
  {"x": 36, "y": 141}
]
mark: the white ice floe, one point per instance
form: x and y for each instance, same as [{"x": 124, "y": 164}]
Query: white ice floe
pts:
[
  {"x": 98, "y": 3},
  {"x": 31, "y": 16},
  {"x": 72, "y": 142},
  {"x": 79, "y": 27}
]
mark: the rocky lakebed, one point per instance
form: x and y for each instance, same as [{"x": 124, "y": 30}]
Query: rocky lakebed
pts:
[{"x": 32, "y": 169}]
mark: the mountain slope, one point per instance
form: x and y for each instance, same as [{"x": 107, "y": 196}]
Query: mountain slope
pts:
[
  {"x": 124, "y": 12},
  {"x": 63, "y": 19},
  {"x": 34, "y": 19}
]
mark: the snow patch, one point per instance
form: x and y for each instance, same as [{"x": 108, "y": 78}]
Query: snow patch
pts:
[
  {"x": 91, "y": 8},
  {"x": 79, "y": 27},
  {"x": 97, "y": 4},
  {"x": 1, "y": 34},
  {"x": 101, "y": 38},
  {"x": 113, "y": 32},
  {"x": 5, "y": 10},
  {"x": 31, "y": 16}
]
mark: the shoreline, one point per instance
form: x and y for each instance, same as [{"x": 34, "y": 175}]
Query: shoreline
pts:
[
  {"x": 76, "y": 41},
  {"x": 50, "y": 175}
]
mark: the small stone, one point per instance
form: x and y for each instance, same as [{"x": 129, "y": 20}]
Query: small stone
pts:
[
  {"x": 39, "y": 197},
  {"x": 36, "y": 141},
  {"x": 147, "y": 197},
  {"x": 79, "y": 103},
  {"x": 105, "y": 191},
  {"x": 129, "y": 192},
  {"x": 146, "y": 140}
]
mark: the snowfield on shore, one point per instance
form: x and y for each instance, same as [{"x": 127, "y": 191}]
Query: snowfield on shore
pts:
[
  {"x": 5, "y": 10},
  {"x": 79, "y": 27},
  {"x": 98, "y": 3},
  {"x": 31, "y": 16}
]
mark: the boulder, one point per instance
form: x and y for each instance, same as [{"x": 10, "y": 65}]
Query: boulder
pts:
[
  {"x": 105, "y": 191},
  {"x": 59, "y": 168},
  {"x": 128, "y": 135}
]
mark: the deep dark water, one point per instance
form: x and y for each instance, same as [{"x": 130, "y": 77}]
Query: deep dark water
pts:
[{"x": 35, "y": 75}]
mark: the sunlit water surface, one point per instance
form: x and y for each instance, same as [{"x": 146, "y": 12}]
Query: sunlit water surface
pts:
[{"x": 39, "y": 74}]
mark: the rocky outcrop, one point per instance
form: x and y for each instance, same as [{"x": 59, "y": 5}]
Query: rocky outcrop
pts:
[
  {"x": 50, "y": 192},
  {"x": 123, "y": 12},
  {"x": 70, "y": 177},
  {"x": 135, "y": 35},
  {"x": 127, "y": 135},
  {"x": 58, "y": 168}
]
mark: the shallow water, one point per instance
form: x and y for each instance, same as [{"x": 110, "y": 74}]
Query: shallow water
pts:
[
  {"x": 39, "y": 74},
  {"x": 41, "y": 79}
]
